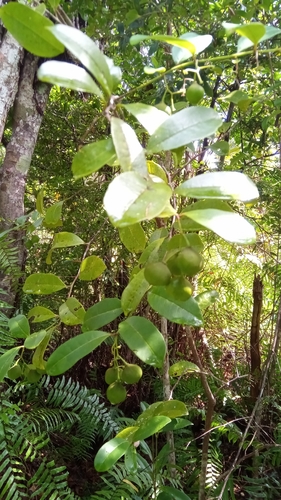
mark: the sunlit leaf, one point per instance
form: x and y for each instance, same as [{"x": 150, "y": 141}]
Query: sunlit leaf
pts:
[
  {"x": 91, "y": 268},
  {"x": 178, "y": 42},
  {"x": 109, "y": 453},
  {"x": 205, "y": 299},
  {"x": 43, "y": 284},
  {"x": 6, "y": 361},
  {"x": 149, "y": 116},
  {"x": 129, "y": 151},
  {"x": 134, "y": 292},
  {"x": 19, "y": 326},
  {"x": 200, "y": 42},
  {"x": 53, "y": 216},
  {"x": 182, "y": 367},
  {"x": 133, "y": 238},
  {"x": 68, "y": 75},
  {"x": 28, "y": 27},
  {"x": 35, "y": 339},
  {"x": 101, "y": 314},
  {"x": 71, "y": 312},
  {"x": 65, "y": 239},
  {"x": 40, "y": 314},
  {"x": 183, "y": 313}
]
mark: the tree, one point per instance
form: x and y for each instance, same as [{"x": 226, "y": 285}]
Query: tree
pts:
[{"x": 139, "y": 192}]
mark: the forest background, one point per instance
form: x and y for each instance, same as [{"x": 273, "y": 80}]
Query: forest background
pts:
[{"x": 170, "y": 142}]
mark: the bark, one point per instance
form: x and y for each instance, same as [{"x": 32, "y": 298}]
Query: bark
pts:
[
  {"x": 255, "y": 339},
  {"x": 28, "y": 108}
]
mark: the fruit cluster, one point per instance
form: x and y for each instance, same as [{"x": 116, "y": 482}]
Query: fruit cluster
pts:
[
  {"x": 116, "y": 376},
  {"x": 180, "y": 264}
]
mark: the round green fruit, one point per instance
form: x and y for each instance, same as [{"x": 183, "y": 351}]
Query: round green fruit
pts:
[
  {"x": 189, "y": 261},
  {"x": 32, "y": 376},
  {"x": 180, "y": 289},
  {"x": 112, "y": 375},
  {"x": 157, "y": 274},
  {"x": 131, "y": 374},
  {"x": 14, "y": 372},
  {"x": 194, "y": 93},
  {"x": 116, "y": 393}
]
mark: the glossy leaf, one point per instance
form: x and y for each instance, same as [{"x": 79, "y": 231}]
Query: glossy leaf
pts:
[
  {"x": 68, "y": 75},
  {"x": 40, "y": 201},
  {"x": 149, "y": 116},
  {"x": 19, "y": 326},
  {"x": 134, "y": 292},
  {"x": 130, "y": 199},
  {"x": 183, "y": 313},
  {"x": 144, "y": 339},
  {"x": 151, "y": 252},
  {"x": 188, "y": 125},
  {"x": 220, "y": 185},
  {"x": 6, "y": 361},
  {"x": 205, "y": 299},
  {"x": 92, "y": 157},
  {"x": 133, "y": 238},
  {"x": 229, "y": 226},
  {"x": 109, "y": 453},
  {"x": 40, "y": 314},
  {"x": 35, "y": 339},
  {"x": 87, "y": 52},
  {"x": 129, "y": 151},
  {"x": 101, "y": 314},
  {"x": 252, "y": 31},
  {"x": 182, "y": 367},
  {"x": 172, "y": 409},
  {"x": 91, "y": 268},
  {"x": 74, "y": 349},
  {"x": 65, "y": 239},
  {"x": 53, "y": 216},
  {"x": 151, "y": 427},
  {"x": 178, "y": 42},
  {"x": 71, "y": 312},
  {"x": 28, "y": 27},
  {"x": 43, "y": 284},
  {"x": 200, "y": 42}
]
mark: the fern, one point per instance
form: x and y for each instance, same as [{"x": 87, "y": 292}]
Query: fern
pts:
[{"x": 9, "y": 265}]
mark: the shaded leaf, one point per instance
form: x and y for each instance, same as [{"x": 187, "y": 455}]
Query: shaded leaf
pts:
[
  {"x": 68, "y": 353},
  {"x": 65, "y": 239},
  {"x": 53, "y": 216},
  {"x": 6, "y": 361},
  {"x": 205, "y": 299},
  {"x": 101, "y": 314},
  {"x": 134, "y": 292},
  {"x": 19, "y": 326},
  {"x": 182, "y": 367},
  {"x": 92, "y": 157},
  {"x": 133, "y": 238},
  {"x": 172, "y": 409},
  {"x": 144, "y": 339},
  {"x": 150, "y": 427},
  {"x": 40, "y": 313},
  {"x": 109, "y": 453},
  {"x": 35, "y": 339}
]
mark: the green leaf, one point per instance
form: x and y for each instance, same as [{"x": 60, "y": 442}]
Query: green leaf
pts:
[
  {"x": 92, "y": 157},
  {"x": 205, "y": 299},
  {"x": 19, "y": 326},
  {"x": 178, "y": 42},
  {"x": 151, "y": 252},
  {"x": 177, "y": 424},
  {"x": 91, "y": 268},
  {"x": 43, "y": 284},
  {"x": 188, "y": 125},
  {"x": 221, "y": 148},
  {"x": 252, "y": 31},
  {"x": 68, "y": 75},
  {"x": 40, "y": 201},
  {"x": 200, "y": 42},
  {"x": 40, "y": 314},
  {"x": 183, "y": 313},
  {"x": 87, "y": 52},
  {"x": 150, "y": 117},
  {"x": 172, "y": 409},
  {"x": 109, "y": 453},
  {"x": 101, "y": 314},
  {"x": 65, "y": 239},
  {"x": 143, "y": 338},
  {"x": 35, "y": 339},
  {"x": 133, "y": 238},
  {"x": 28, "y": 27},
  {"x": 67, "y": 354},
  {"x": 53, "y": 216},
  {"x": 220, "y": 185},
  {"x": 130, "y": 199},
  {"x": 229, "y": 226},
  {"x": 6, "y": 361},
  {"x": 151, "y": 427},
  {"x": 236, "y": 97},
  {"x": 71, "y": 312},
  {"x": 134, "y": 292},
  {"x": 171, "y": 493},
  {"x": 155, "y": 169},
  {"x": 182, "y": 367},
  {"x": 129, "y": 151}
]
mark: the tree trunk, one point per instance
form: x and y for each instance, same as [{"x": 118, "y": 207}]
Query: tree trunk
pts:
[
  {"x": 255, "y": 340},
  {"x": 28, "y": 97}
]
